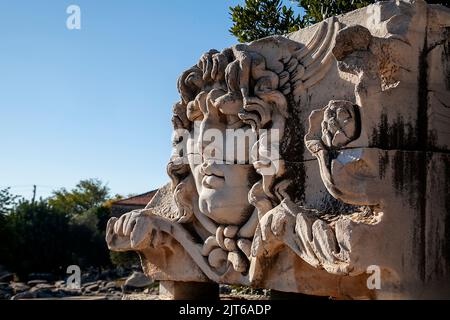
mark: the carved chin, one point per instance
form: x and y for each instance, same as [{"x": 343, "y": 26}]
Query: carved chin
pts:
[{"x": 222, "y": 209}]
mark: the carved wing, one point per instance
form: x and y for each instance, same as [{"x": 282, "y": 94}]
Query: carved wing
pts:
[{"x": 309, "y": 64}]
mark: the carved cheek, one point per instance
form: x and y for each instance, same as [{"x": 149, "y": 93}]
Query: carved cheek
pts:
[
  {"x": 340, "y": 139},
  {"x": 349, "y": 128},
  {"x": 234, "y": 174}
]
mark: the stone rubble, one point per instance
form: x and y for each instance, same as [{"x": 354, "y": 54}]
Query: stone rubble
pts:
[{"x": 104, "y": 289}]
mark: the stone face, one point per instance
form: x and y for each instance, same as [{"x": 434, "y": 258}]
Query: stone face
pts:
[{"x": 341, "y": 178}]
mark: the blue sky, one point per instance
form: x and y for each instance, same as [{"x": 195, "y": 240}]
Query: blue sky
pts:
[{"x": 96, "y": 102}]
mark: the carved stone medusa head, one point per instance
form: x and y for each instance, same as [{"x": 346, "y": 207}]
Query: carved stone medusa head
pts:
[
  {"x": 227, "y": 129},
  {"x": 294, "y": 164}
]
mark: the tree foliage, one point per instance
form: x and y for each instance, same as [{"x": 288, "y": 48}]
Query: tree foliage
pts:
[
  {"x": 86, "y": 195},
  {"x": 37, "y": 239},
  {"x": 88, "y": 208},
  {"x": 126, "y": 259},
  {"x": 7, "y": 201},
  {"x": 51, "y": 234},
  {"x": 316, "y": 11},
  {"x": 261, "y": 18}
]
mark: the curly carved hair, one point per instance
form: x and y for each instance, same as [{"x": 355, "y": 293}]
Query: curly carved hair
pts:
[{"x": 246, "y": 81}]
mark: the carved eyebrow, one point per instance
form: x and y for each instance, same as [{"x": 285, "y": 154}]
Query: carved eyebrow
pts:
[{"x": 344, "y": 112}]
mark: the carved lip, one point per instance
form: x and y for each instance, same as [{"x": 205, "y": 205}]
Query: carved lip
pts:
[
  {"x": 214, "y": 177},
  {"x": 211, "y": 181}
]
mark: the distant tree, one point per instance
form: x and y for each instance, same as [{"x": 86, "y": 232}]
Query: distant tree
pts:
[
  {"x": 316, "y": 11},
  {"x": 38, "y": 239},
  {"x": 261, "y": 18},
  {"x": 7, "y": 203},
  {"x": 5, "y": 236},
  {"x": 86, "y": 195},
  {"x": 87, "y": 231},
  {"x": 87, "y": 241},
  {"x": 7, "y": 200},
  {"x": 126, "y": 259},
  {"x": 49, "y": 235},
  {"x": 88, "y": 207}
]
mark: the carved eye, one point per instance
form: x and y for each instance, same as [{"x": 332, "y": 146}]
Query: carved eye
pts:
[
  {"x": 343, "y": 115},
  {"x": 328, "y": 114}
]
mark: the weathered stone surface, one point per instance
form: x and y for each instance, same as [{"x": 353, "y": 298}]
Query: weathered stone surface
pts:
[
  {"x": 19, "y": 287},
  {"x": 36, "y": 282},
  {"x": 102, "y": 290},
  {"x": 110, "y": 285},
  {"x": 92, "y": 288},
  {"x": 347, "y": 171},
  {"x": 170, "y": 290},
  {"x": 137, "y": 280}
]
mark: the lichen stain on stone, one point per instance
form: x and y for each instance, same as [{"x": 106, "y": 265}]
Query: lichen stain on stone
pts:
[
  {"x": 334, "y": 207},
  {"x": 398, "y": 135},
  {"x": 383, "y": 164},
  {"x": 409, "y": 178},
  {"x": 444, "y": 58},
  {"x": 422, "y": 98},
  {"x": 446, "y": 246},
  {"x": 297, "y": 173},
  {"x": 292, "y": 144},
  {"x": 409, "y": 171}
]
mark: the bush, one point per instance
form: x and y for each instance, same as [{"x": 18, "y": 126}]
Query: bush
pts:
[
  {"x": 87, "y": 241},
  {"x": 126, "y": 260},
  {"x": 37, "y": 239}
]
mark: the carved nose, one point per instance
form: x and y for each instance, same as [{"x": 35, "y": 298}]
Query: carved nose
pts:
[
  {"x": 206, "y": 125},
  {"x": 210, "y": 168},
  {"x": 333, "y": 125},
  {"x": 211, "y": 139}
]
